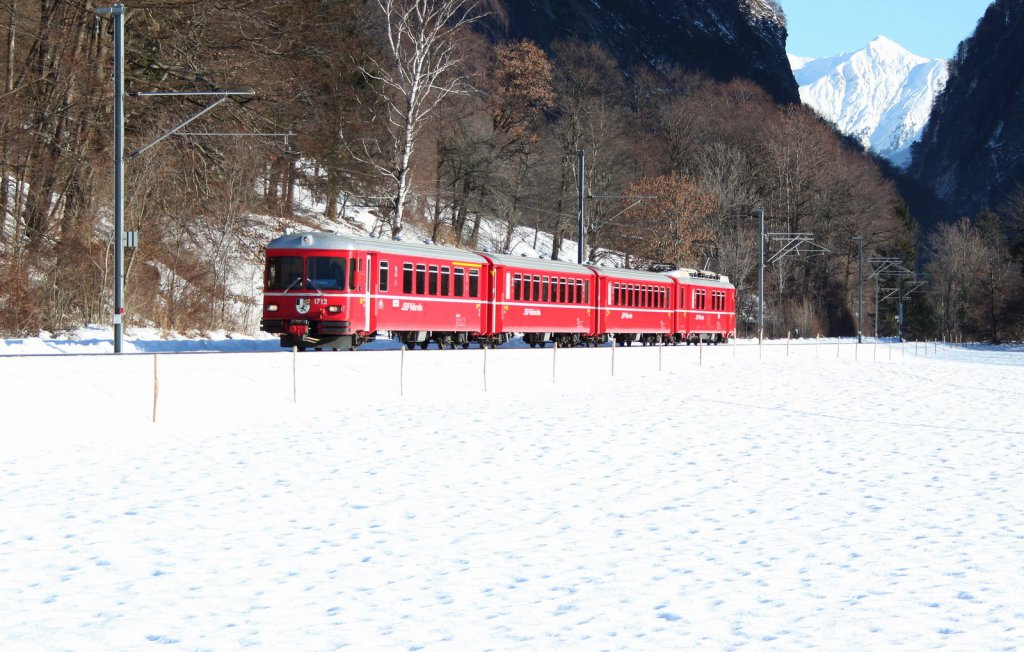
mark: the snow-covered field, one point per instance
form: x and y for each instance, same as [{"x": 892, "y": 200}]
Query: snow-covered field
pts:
[{"x": 819, "y": 496}]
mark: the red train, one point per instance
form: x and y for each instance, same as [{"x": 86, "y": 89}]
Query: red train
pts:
[{"x": 325, "y": 290}]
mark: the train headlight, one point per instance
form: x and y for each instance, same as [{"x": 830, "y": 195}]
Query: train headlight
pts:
[
  {"x": 333, "y": 309},
  {"x": 271, "y": 307}
]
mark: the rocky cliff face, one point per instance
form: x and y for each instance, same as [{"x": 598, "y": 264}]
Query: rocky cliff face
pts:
[
  {"x": 971, "y": 153},
  {"x": 724, "y": 39}
]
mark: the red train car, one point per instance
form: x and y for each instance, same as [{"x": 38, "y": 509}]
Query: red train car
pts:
[
  {"x": 704, "y": 306},
  {"x": 325, "y": 290},
  {"x": 331, "y": 291},
  {"x": 545, "y": 300},
  {"x": 635, "y": 306}
]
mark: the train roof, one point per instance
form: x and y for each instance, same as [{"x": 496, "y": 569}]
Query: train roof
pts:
[
  {"x": 633, "y": 274},
  {"x": 560, "y": 266},
  {"x": 699, "y": 277},
  {"x": 321, "y": 240}
]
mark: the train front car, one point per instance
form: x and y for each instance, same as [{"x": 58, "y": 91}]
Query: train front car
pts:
[
  {"x": 636, "y": 306},
  {"x": 325, "y": 290},
  {"x": 705, "y": 307},
  {"x": 315, "y": 291}
]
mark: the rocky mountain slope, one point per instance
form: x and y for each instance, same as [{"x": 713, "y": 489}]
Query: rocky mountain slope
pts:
[
  {"x": 971, "y": 153},
  {"x": 724, "y": 39}
]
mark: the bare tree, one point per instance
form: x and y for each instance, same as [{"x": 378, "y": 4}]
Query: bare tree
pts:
[
  {"x": 669, "y": 226},
  {"x": 422, "y": 69}
]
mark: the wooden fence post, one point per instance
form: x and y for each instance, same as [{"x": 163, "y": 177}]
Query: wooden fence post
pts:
[
  {"x": 156, "y": 386},
  {"x": 554, "y": 360},
  {"x": 613, "y": 355}
]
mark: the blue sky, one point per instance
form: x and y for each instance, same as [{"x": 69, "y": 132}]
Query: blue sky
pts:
[{"x": 929, "y": 28}]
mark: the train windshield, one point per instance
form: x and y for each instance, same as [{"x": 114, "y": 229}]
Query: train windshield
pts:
[
  {"x": 284, "y": 272},
  {"x": 325, "y": 273}
]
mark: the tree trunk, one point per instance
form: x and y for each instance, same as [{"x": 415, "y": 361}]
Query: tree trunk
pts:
[{"x": 11, "y": 15}]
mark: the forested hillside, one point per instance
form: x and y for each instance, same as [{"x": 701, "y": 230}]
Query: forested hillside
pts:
[{"x": 415, "y": 109}]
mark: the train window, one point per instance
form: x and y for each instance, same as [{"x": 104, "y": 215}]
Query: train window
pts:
[
  {"x": 407, "y": 278},
  {"x": 517, "y": 287},
  {"x": 544, "y": 288},
  {"x": 561, "y": 290},
  {"x": 580, "y": 297},
  {"x": 554, "y": 289},
  {"x": 614, "y": 294},
  {"x": 283, "y": 272},
  {"x": 536, "y": 288},
  {"x": 432, "y": 280},
  {"x": 325, "y": 273},
  {"x": 352, "y": 266},
  {"x": 460, "y": 281},
  {"x": 421, "y": 279},
  {"x": 586, "y": 292},
  {"x": 446, "y": 275},
  {"x": 474, "y": 282},
  {"x": 382, "y": 276}
]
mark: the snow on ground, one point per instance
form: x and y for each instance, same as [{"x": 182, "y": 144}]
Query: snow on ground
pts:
[{"x": 804, "y": 496}]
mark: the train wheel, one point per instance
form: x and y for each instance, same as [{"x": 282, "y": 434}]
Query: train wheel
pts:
[{"x": 424, "y": 345}]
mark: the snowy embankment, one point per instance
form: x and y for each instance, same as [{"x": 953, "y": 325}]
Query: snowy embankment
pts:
[{"x": 837, "y": 497}]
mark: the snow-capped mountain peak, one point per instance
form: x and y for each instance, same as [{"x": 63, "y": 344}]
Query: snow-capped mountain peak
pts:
[{"x": 881, "y": 94}]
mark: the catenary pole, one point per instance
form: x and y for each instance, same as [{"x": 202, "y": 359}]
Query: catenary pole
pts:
[
  {"x": 860, "y": 287},
  {"x": 579, "y": 217},
  {"x": 116, "y": 12},
  {"x": 760, "y": 281}
]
